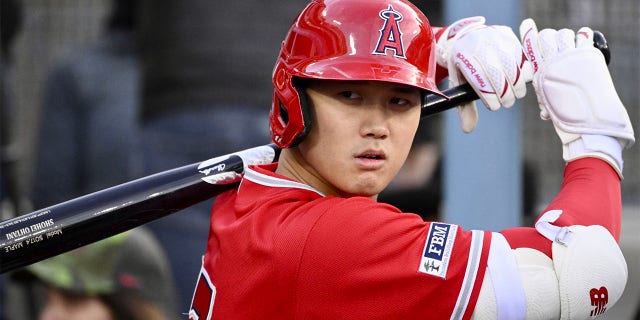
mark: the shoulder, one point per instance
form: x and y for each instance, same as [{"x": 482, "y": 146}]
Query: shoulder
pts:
[
  {"x": 356, "y": 242},
  {"x": 356, "y": 226},
  {"x": 365, "y": 213}
]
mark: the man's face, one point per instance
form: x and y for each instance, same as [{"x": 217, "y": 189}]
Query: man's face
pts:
[{"x": 361, "y": 135}]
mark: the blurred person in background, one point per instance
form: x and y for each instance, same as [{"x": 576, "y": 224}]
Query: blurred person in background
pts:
[
  {"x": 10, "y": 24},
  {"x": 87, "y": 126},
  {"x": 124, "y": 277},
  {"x": 10, "y": 199}
]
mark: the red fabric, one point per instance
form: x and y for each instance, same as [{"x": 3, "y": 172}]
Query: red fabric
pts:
[
  {"x": 590, "y": 195},
  {"x": 289, "y": 253},
  {"x": 279, "y": 250}
]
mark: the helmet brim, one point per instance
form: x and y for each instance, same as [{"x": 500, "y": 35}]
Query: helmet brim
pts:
[{"x": 353, "y": 68}]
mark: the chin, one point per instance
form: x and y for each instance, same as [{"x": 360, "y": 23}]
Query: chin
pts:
[{"x": 363, "y": 191}]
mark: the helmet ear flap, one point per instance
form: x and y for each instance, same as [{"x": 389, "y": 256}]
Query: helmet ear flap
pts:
[
  {"x": 305, "y": 105},
  {"x": 290, "y": 114}
]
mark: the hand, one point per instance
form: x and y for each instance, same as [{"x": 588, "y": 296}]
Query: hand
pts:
[
  {"x": 575, "y": 91},
  {"x": 490, "y": 58}
]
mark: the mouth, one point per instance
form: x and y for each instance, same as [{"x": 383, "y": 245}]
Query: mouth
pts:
[
  {"x": 371, "y": 159},
  {"x": 372, "y": 155}
]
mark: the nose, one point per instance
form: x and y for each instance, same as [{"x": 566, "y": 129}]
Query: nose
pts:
[{"x": 375, "y": 124}]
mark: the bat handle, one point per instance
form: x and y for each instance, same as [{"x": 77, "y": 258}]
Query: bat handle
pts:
[
  {"x": 464, "y": 93},
  {"x": 600, "y": 42}
]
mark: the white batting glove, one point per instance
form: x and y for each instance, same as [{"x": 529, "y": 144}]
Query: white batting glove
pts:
[
  {"x": 575, "y": 91},
  {"x": 490, "y": 58}
]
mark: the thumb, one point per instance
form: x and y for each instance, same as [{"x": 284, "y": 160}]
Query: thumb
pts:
[
  {"x": 468, "y": 114},
  {"x": 584, "y": 38}
]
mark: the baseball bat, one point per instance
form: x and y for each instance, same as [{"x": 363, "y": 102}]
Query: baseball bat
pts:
[{"x": 47, "y": 232}]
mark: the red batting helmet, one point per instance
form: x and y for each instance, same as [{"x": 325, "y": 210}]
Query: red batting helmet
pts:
[{"x": 382, "y": 40}]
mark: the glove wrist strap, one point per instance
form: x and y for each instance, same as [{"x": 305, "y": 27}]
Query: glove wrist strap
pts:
[{"x": 598, "y": 146}]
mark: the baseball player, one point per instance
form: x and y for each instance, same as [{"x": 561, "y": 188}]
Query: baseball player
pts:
[{"x": 304, "y": 238}]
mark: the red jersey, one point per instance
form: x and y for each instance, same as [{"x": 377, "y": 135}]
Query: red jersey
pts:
[{"x": 279, "y": 249}]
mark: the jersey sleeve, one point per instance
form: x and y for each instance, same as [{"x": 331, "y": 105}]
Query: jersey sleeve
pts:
[
  {"x": 389, "y": 265},
  {"x": 589, "y": 195},
  {"x": 583, "y": 218}
]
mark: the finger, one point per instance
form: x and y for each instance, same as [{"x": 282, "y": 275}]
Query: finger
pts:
[
  {"x": 468, "y": 114},
  {"x": 524, "y": 74},
  {"x": 462, "y": 25},
  {"x": 513, "y": 61},
  {"x": 511, "y": 55},
  {"x": 584, "y": 38},
  {"x": 484, "y": 73},
  {"x": 565, "y": 39},
  {"x": 455, "y": 77},
  {"x": 547, "y": 40},
  {"x": 544, "y": 114},
  {"x": 503, "y": 73},
  {"x": 529, "y": 39},
  {"x": 526, "y": 69}
]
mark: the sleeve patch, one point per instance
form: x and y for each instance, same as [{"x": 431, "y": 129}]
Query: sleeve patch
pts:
[{"x": 437, "y": 249}]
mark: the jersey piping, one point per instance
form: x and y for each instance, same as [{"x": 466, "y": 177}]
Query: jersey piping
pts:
[
  {"x": 270, "y": 181},
  {"x": 475, "y": 252}
]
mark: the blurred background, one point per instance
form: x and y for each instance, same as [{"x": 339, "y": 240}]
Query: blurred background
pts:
[{"x": 182, "y": 58}]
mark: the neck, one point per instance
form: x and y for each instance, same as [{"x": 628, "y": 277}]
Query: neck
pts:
[{"x": 293, "y": 165}]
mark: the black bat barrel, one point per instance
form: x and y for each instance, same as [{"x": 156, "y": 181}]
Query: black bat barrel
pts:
[{"x": 47, "y": 232}]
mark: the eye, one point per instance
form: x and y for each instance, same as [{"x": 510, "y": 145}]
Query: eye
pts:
[
  {"x": 401, "y": 102},
  {"x": 351, "y": 95}
]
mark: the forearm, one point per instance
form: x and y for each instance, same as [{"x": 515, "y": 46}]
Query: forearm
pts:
[{"x": 590, "y": 194}]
